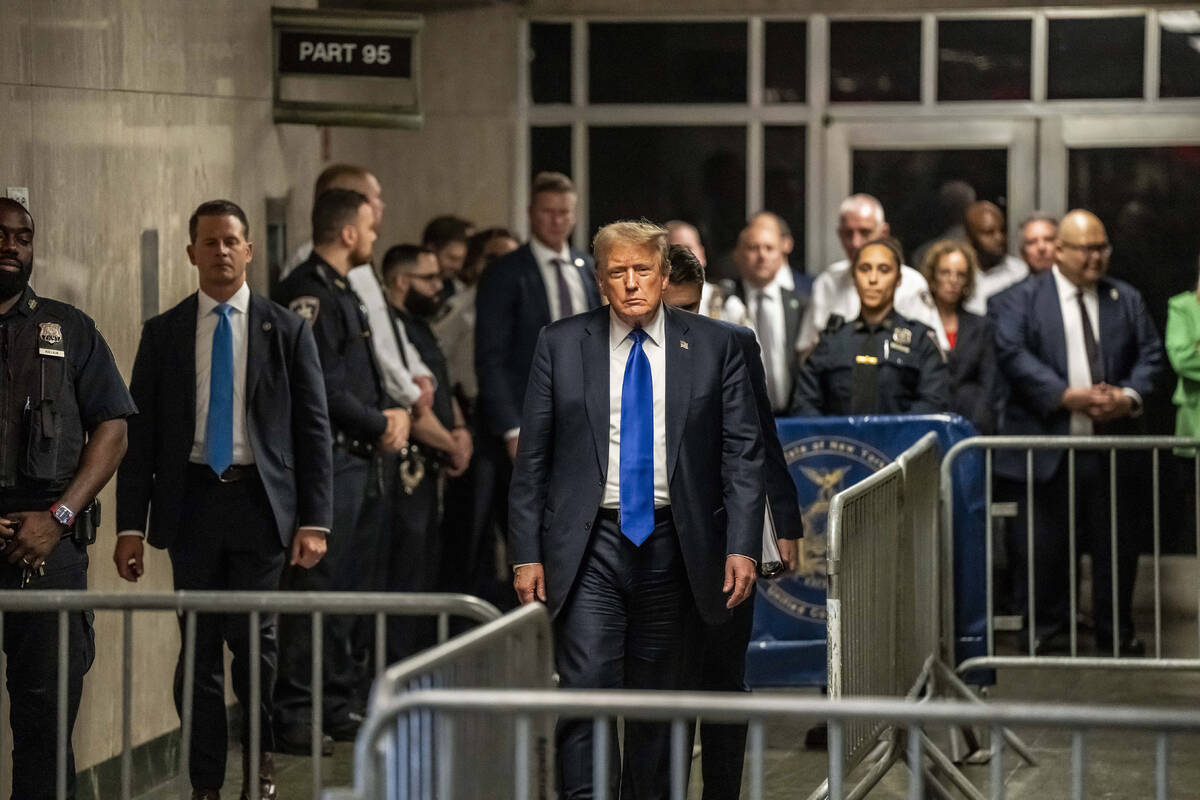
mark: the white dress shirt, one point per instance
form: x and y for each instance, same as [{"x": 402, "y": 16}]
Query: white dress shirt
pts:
[
  {"x": 206, "y": 324},
  {"x": 619, "y": 346},
  {"x": 569, "y": 269},
  {"x": 1079, "y": 374},
  {"x": 834, "y": 293},
  {"x": 455, "y": 331},
  {"x": 995, "y": 280},
  {"x": 396, "y": 377},
  {"x": 777, "y": 361}
]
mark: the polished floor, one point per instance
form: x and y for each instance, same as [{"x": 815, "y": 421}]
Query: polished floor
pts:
[{"x": 1119, "y": 766}]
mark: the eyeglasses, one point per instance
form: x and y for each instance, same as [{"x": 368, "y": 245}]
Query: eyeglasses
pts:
[{"x": 1099, "y": 249}]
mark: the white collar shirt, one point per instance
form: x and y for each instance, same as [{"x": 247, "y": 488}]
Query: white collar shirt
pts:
[
  {"x": 567, "y": 267},
  {"x": 1010, "y": 270},
  {"x": 396, "y": 370},
  {"x": 206, "y": 325},
  {"x": 619, "y": 347},
  {"x": 770, "y": 299},
  {"x": 1079, "y": 374}
]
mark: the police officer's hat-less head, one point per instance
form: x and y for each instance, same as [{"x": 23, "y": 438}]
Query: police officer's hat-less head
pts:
[
  {"x": 876, "y": 273},
  {"x": 16, "y": 251}
]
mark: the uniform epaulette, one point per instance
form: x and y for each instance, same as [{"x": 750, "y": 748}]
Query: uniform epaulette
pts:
[{"x": 835, "y": 322}]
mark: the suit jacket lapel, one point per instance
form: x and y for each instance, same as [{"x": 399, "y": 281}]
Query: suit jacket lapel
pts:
[
  {"x": 184, "y": 346},
  {"x": 535, "y": 287},
  {"x": 1049, "y": 308},
  {"x": 259, "y": 330},
  {"x": 1110, "y": 313},
  {"x": 590, "y": 291},
  {"x": 594, "y": 354},
  {"x": 679, "y": 383}
]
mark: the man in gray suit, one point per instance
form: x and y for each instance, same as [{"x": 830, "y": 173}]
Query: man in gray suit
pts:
[{"x": 636, "y": 505}]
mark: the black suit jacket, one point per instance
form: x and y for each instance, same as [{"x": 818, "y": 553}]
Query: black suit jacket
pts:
[
  {"x": 714, "y": 452},
  {"x": 1031, "y": 350},
  {"x": 511, "y": 307},
  {"x": 972, "y": 366},
  {"x": 795, "y": 302},
  {"x": 286, "y": 417}
]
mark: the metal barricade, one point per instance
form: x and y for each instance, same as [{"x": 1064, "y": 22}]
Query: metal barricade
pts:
[
  {"x": 1071, "y": 445},
  {"x": 516, "y": 710},
  {"x": 428, "y": 755},
  {"x": 189, "y": 604}
]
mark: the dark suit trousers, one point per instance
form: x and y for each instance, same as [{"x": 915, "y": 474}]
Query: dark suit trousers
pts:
[
  {"x": 723, "y": 669},
  {"x": 352, "y": 557},
  {"x": 630, "y": 623},
  {"x": 31, "y": 646},
  {"x": 228, "y": 541},
  {"x": 1093, "y": 534}
]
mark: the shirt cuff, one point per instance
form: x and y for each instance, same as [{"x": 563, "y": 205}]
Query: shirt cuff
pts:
[
  {"x": 1133, "y": 395},
  {"x": 313, "y": 528},
  {"x": 511, "y": 433},
  {"x": 748, "y": 558},
  {"x": 131, "y": 532},
  {"x": 526, "y": 564}
]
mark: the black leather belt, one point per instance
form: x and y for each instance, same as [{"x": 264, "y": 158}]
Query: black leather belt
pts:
[
  {"x": 355, "y": 447},
  {"x": 661, "y": 515},
  {"x": 232, "y": 473}
]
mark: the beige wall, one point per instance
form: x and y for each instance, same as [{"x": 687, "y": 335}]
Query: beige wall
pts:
[
  {"x": 122, "y": 116},
  {"x": 641, "y": 8}
]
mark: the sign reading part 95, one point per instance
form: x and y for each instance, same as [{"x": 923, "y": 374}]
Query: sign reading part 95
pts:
[{"x": 313, "y": 53}]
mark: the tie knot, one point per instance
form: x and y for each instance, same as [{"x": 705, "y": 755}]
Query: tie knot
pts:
[
  {"x": 638, "y": 335},
  {"x": 223, "y": 310}
]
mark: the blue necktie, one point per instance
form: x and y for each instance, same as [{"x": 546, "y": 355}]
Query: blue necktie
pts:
[
  {"x": 637, "y": 444},
  {"x": 218, "y": 433}
]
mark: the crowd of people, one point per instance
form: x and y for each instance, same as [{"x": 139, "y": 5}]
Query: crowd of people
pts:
[{"x": 598, "y": 429}]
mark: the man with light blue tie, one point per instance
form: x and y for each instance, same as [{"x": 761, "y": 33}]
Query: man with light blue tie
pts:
[
  {"x": 636, "y": 505},
  {"x": 230, "y": 454}
]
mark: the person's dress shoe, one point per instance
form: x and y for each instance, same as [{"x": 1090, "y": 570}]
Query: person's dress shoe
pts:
[
  {"x": 296, "y": 740},
  {"x": 266, "y": 777},
  {"x": 817, "y": 737},
  {"x": 206, "y": 794},
  {"x": 344, "y": 729},
  {"x": 1132, "y": 646}
]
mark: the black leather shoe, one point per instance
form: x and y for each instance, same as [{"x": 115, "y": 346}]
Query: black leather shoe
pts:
[
  {"x": 344, "y": 729},
  {"x": 206, "y": 794},
  {"x": 817, "y": 737},
  {"x": 1131, "y": 647},
  {"x": 296, "y": 740},
  {"x": 266, "y": 777}
]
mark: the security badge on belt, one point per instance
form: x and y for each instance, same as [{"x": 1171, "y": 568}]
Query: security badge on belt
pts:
[
  {"x": 900, "y": 342},
  {"x": 50, "y": 340}
]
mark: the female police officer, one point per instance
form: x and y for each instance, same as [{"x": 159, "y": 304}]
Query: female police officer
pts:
[{"x": 878, "y": 363}]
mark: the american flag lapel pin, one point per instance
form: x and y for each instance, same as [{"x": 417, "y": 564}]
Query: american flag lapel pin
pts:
[{"x": 683, "y": 344}]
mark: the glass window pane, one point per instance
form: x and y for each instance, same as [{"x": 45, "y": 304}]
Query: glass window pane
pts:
[
  {"x": 667, "y": 62},
  {"x": 1180, "y": 54},
  {"x": 907, "y": 182},
  {"x": 550, "y": 62},
  {"x": 785, "y": 73},
  {"x": 785, "y": 154},
  {"x": 550, "y": 149},
  {"x": 875, "y": 62},
  {"x": 984, "y": 59},
  {"x": 1096, "y": 58},
  {"x": 696, "y": 174}
]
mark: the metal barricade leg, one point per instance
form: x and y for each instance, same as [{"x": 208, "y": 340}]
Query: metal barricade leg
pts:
[
  {"x": 185, "y": 717},
  {"x": 64, "y": 658},
  {"x": 127, "y": 705},
  {"x": 251, "y": 779},
  {"x": 318, "y": 696}
]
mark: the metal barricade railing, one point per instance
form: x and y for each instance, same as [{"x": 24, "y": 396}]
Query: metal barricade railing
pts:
[
  {"x": 516, "y": 711},
  {"x": 427, "y": 755},
  {"x": 254, "y": 604},
  {"x": 1071, "y": 445}
]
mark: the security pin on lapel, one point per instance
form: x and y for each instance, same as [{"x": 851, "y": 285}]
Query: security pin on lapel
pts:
[{"x": 683, "y": 344}]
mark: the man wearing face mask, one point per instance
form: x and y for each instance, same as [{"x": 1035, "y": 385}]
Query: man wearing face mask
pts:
[
  {"x": 441, "y": 445},
  {"x": 63, "y": 434}
]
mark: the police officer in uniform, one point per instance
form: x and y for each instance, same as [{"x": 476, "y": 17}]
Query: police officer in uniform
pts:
[
  {"x": 363, "y": 429},
  {"x": 880, "y": 362},
  {"x": 62, "y": 412}
]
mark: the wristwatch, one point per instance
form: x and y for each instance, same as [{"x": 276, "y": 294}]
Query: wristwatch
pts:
[{"x": 64, "y": 515}]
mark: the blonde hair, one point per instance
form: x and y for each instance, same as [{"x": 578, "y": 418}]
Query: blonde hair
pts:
[
  {"x": 939, "y": 250},
  {"x": 638, "y": 233}
]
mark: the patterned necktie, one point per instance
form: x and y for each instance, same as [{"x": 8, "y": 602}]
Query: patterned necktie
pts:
[
  {"x": 218, "y": 432},
  {"x": 766, "y": 341},
  {"x": 637, "y": 444},
  {"x": 1095, "y": 363},
  {"x": 565, "y": 308}
]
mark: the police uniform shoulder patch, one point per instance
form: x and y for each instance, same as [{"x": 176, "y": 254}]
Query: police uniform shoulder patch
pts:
[{"x": 306, "y": 306}]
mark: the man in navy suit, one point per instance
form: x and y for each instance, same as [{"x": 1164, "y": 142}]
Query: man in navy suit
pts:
[
  {"x": 540, "y": 282},
  {"x": 231, "y": 455},
  {"x": 636, "y": 506},
  {"x": 1080, "y": 354}
]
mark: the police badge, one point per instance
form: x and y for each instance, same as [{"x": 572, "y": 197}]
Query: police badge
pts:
[
  {"x": 50, "y": 340},
  {"x": 306, "y": 307},
  {"x": 902, "y": 336}
]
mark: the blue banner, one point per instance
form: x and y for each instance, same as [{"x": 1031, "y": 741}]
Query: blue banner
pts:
[{"x": 826, "y": 455}]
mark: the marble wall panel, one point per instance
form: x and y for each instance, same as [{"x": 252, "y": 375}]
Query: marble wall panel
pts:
[{"x": 14, "y": 40}]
